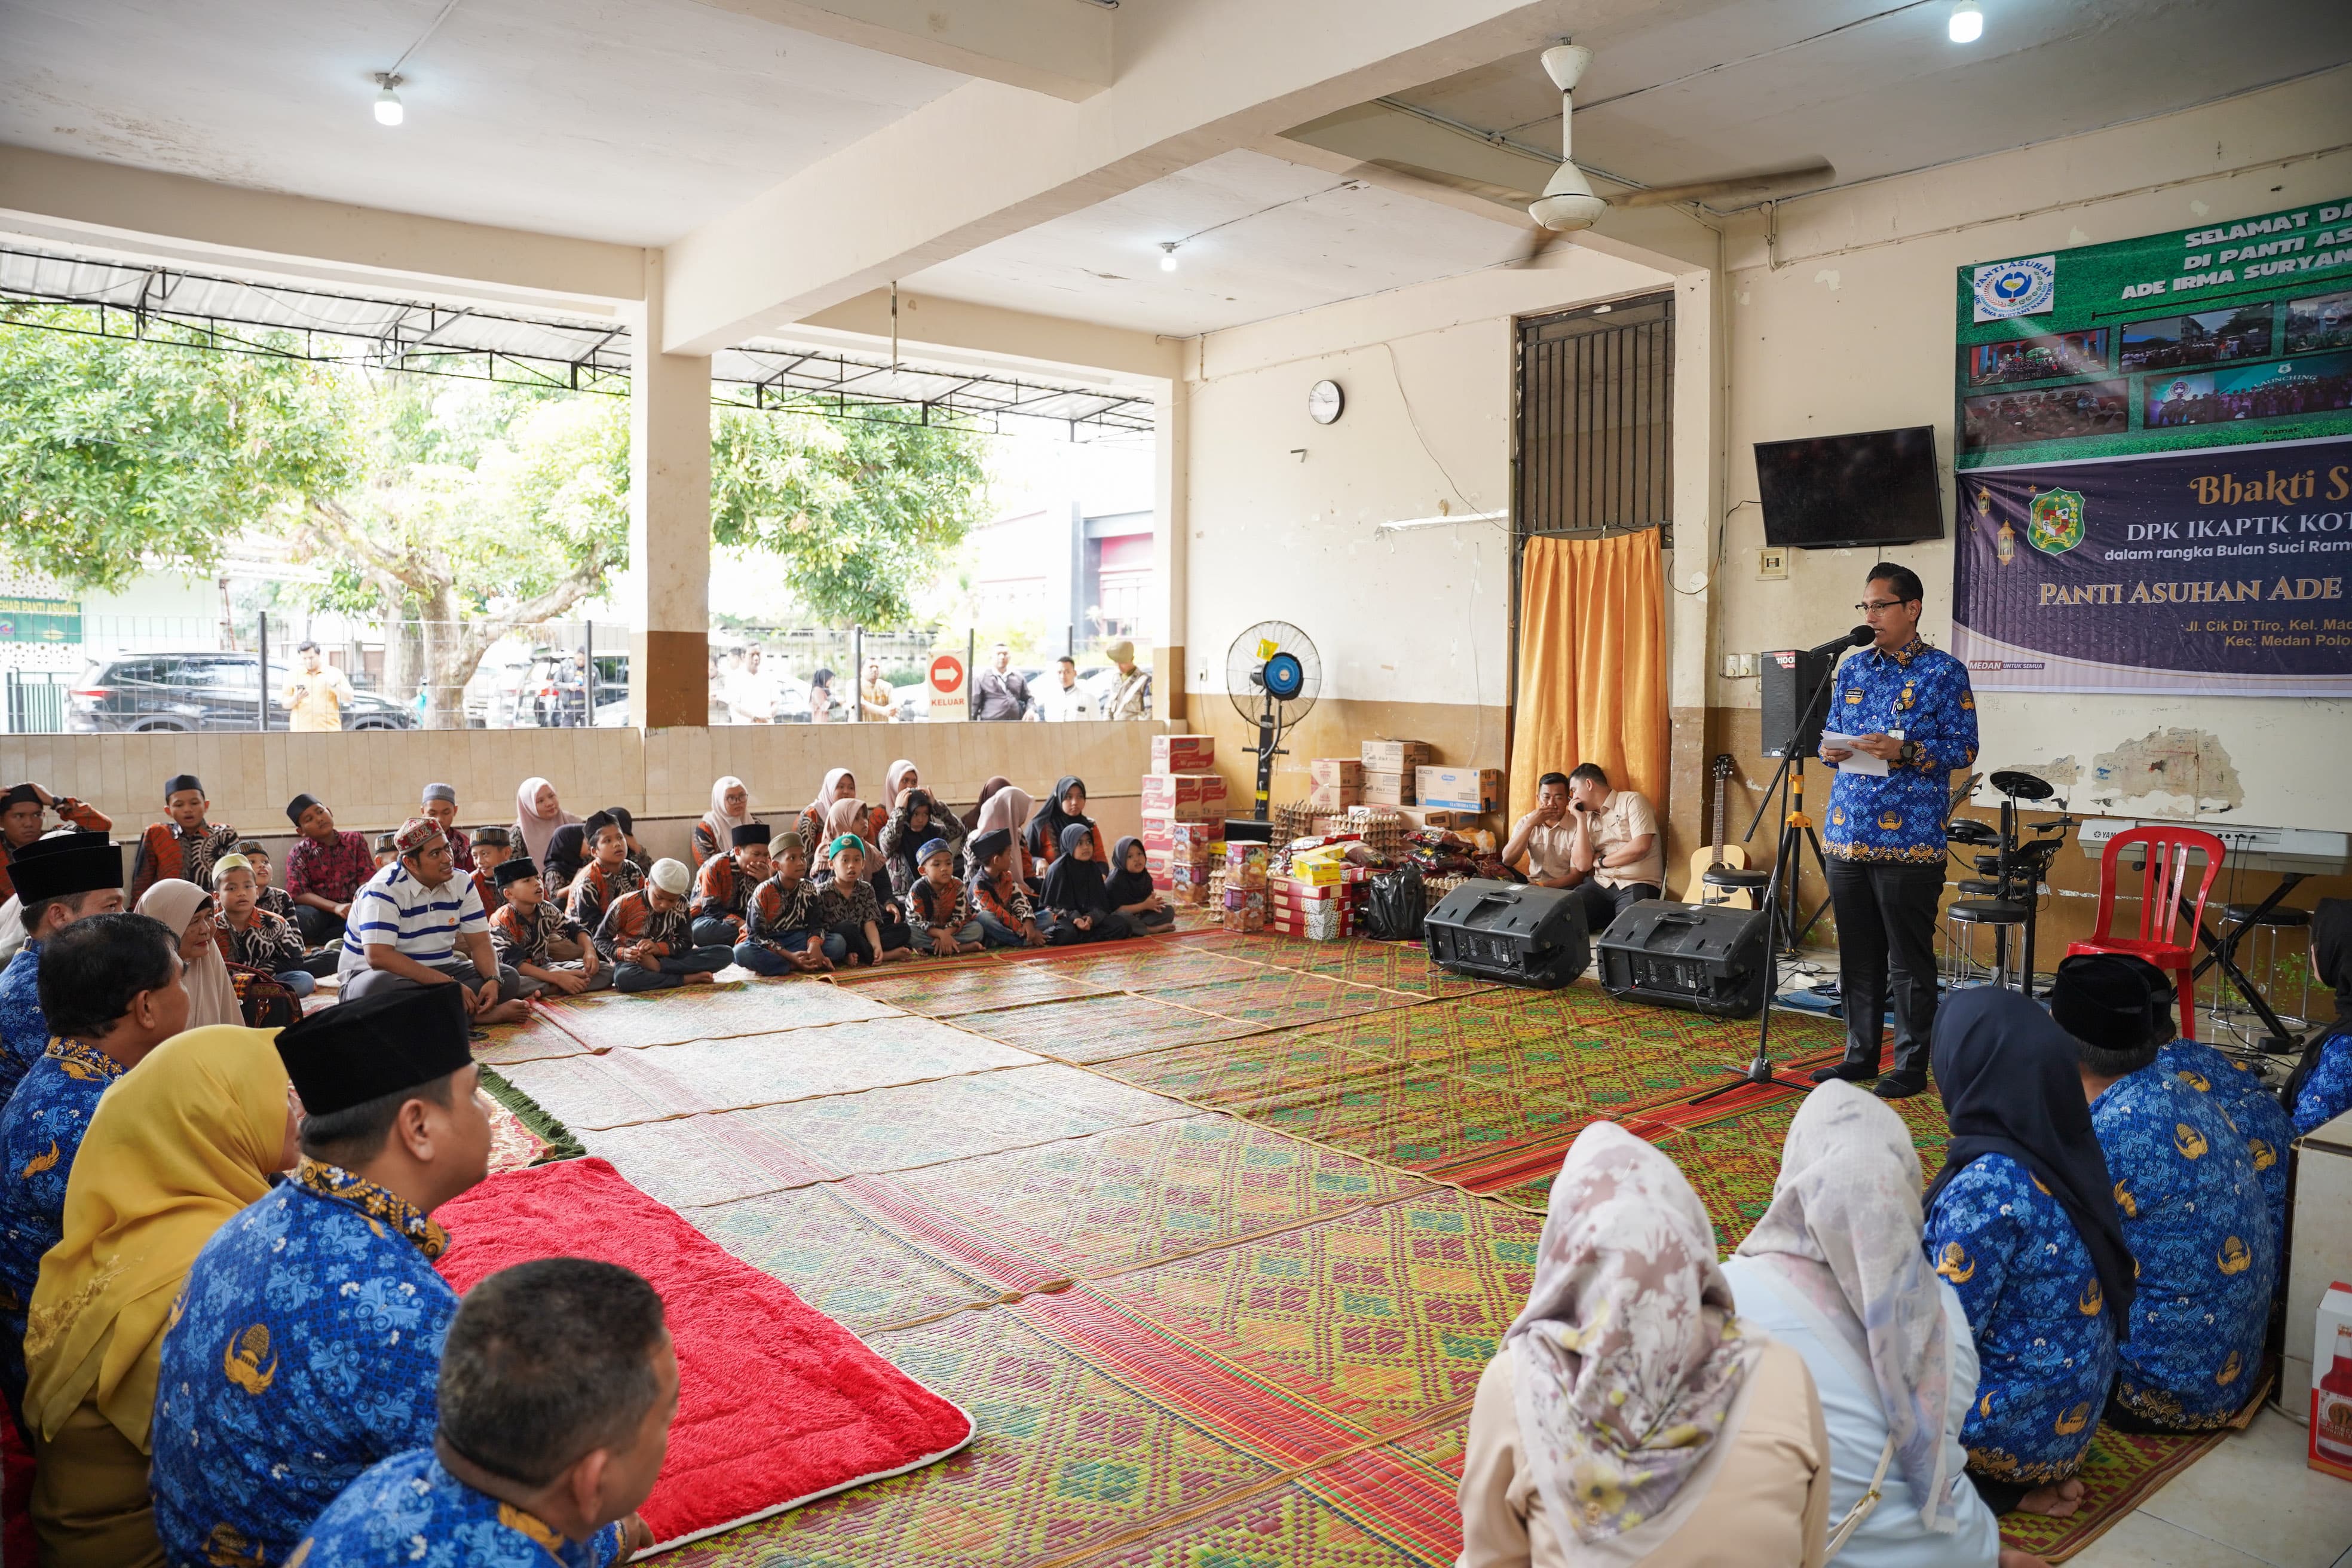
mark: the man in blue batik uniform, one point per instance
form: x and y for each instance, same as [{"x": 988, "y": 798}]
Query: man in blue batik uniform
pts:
[
  {"x": 62, "y": 879},
  {"x": 1909, "y": 706},
  {"x": 112, "y": 987},
  {"x": 2321, "y": 1088},
  {"x": 309, "y": 1337},
  {"x": 2193, "y": 1212},
  {"x": 557, "y": 1391}
]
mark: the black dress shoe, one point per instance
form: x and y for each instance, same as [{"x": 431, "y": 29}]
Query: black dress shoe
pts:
[
  {"x": 1852, "y": 1071},
  {"x": 1902, "y": 1085}
]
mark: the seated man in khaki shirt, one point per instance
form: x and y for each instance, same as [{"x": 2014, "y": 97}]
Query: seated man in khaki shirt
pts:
[
  {"x": 1615, "y": 850},
  {"x": 1545, "y": 837}
]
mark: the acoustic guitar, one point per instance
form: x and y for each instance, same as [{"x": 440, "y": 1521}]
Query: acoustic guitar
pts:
[{"x": 1720, "y": 854}]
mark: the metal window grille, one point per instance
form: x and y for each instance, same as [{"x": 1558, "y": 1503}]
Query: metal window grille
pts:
[{"x": 1595, "y": 401}]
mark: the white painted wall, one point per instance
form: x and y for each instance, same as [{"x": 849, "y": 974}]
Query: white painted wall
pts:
[
  {"x": 1414, "y": 617},
  {"x": 1847, "y": 325}
]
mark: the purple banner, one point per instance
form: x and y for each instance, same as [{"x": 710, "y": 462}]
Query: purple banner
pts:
[{"x": 2219, "y": 572}]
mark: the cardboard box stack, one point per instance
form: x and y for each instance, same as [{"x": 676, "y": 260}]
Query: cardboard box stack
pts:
[
  {"x": 1477, "y": 790},
  {"x": 1337, "y": 784},
  {"x": 1184, "y": 858},
  {"x": 1246, "y": 885},
  {"x": 1319, "y": 897},
  {"x": 1183, "y": 812},
  {"x": 1183, "y": 797},
  {"x": 1184, "y": 753},
  {"x": 1389, "y": 768}
]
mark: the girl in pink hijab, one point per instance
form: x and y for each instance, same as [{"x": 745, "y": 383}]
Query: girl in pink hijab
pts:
[
  {"x": 538, "y": 814},
  {"x": 1008, "y": 808}
]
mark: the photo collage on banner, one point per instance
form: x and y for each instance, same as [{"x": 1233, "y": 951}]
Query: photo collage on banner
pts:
[{"x": 2154, "y": 465}]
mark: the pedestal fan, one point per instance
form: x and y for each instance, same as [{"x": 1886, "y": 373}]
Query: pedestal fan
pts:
[{"x": 1272, "y": 673}]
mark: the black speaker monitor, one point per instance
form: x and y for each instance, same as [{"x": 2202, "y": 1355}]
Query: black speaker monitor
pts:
[
  {"x": 1511, "y": 931},
  {"x": 1708, "y": 959},
  {"x": 1791, "y": 676}
]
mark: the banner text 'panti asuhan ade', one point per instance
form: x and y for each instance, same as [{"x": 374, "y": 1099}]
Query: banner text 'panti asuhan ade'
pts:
[{"x": 2154, "y": 479}]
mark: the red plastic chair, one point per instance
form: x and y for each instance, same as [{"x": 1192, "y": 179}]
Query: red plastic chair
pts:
[{"x": 2161, "y": 941}]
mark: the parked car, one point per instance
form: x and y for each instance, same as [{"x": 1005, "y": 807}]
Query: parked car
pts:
[
  {"x": 133, "y": 693},
  {"x": 550, "y": 692}
]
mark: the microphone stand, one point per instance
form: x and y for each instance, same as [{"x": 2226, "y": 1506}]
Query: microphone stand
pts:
[{"x": 1795, "y": 828}]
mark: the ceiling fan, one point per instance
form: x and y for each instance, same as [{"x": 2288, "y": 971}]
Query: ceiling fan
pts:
[{"x": 1567, "y": 202}]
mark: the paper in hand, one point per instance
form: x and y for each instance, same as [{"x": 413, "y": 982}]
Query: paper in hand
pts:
[{"x": 1855, "y": 762}]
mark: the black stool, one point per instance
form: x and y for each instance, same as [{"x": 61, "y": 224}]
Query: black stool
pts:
[
  {"x": 2278, "y": 918},
  {"x": 2001, "y": 916}
]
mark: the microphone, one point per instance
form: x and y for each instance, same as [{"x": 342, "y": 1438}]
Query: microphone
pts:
[{"x": 1860, "y": 636}]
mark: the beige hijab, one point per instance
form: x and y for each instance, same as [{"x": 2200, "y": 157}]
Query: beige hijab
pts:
[{"x": 212, "y": 994}]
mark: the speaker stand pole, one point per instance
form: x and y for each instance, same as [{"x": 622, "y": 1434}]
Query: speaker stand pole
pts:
[{"x": 1796, "y": 828}]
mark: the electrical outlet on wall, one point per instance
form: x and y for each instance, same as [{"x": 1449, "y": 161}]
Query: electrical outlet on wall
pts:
[
  {"x": 1773, "y": 563},
  {"x": 1739, "y": 666}
]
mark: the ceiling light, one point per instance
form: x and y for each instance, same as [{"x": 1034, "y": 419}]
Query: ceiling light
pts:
[
  {"x": 1167, "y": 254},
  {"x": 1968, "y": 22},
  {"x": 387, "y": 102}
]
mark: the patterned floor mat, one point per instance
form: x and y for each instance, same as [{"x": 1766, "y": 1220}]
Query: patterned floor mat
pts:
[
  {"x": 2122, "y": 1471},
  {"x": 1391, "y": 965},
  {"x": 1291, "y": 1526},
  {"x": 1100, "y": 1029},
  {"x": 608, "y": 1021},
  {"x": 1153, "y": 969},
  {"x": 1282, "y": 998},
  {"x": 1068, "y": 1457},
  {"x": 1371, "y": 1320},
  {"x": 820, "y": 1241},
  {"x": 621, "y": 1087},
  {"x": 944, "y": 991},
  {"x": 1088, "y": 1208}
]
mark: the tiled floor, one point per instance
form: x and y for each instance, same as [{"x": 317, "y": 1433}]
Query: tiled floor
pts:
[{"x": 2251, "y": 1503}]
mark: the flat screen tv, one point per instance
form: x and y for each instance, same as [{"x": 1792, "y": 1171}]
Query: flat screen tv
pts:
[{"x": 1830, "y": 492}]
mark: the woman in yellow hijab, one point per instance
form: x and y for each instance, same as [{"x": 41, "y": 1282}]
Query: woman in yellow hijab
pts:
[{"x": 174, "y": 1151}]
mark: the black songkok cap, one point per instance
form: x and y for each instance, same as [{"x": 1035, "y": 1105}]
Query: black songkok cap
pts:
[
  {"x": 597, "y": 822},
  {"x": 297, "y": 806},
  {"x": 514, "y": 870},
  {"x": 2101, "y": 1000},
  {"x": 179, "y": 782},
  {"x": 19, "y": 795},
  {"x": 65, "y": 864},
  {"x": 373, "y": 1046},
  {"x": 753, "y": 833},
  {"x": 989, "y": 843}
]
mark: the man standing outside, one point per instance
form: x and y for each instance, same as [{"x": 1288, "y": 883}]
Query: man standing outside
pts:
[
  {"x": 1908, "y": 706},
  {"x": 750, "y": 696},
  {"x": 315, "y": 699},
  {"x": 1614, "y": 851},
  {"x": 1067, "y": 700},
  {"x": 1000, "y": 693},
  {"x": 1131, "y": 698},
  {"x": 408, "y": 925}
]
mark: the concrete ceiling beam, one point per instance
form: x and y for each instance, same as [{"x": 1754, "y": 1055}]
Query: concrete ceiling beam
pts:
[
  {"x": 987, "y": 160},
  {"x": 1062, "y": 48}
]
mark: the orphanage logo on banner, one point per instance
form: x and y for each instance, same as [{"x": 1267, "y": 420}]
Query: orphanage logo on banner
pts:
[
  {"x": 2054, "y": 521},
  {"x": 2024, "y": 288}
]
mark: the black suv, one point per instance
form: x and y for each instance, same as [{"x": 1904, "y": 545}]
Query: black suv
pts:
[{"x": 134, "y": 693}]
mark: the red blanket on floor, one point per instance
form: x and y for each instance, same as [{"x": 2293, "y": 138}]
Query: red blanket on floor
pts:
[{"x": 777, "y": 1403}]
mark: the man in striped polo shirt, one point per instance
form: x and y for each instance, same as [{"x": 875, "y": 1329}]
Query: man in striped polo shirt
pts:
[{"x": 417, "y": 922}]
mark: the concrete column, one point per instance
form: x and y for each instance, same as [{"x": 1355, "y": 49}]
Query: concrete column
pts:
[
  {"x": 1690, "y": 565},
  {"x": 1172, "y": 535},
  {"x": 669, "y": 524}
]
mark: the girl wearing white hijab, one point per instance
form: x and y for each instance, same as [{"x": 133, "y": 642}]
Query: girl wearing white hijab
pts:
[
  {"x": 538, "y": 814},
  {"x": 839, "y": 785},
  {"x": 188, "y": 910},
  {"x": 1630, "y": 1417},
  {"x": 730, "y": 808},
  {"x": 1835, "y": 1271}
]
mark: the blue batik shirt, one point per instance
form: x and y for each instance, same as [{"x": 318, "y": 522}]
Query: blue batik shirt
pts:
[
  {"x": 2327, "y": 1094},
  {"x": 2253, "y": 1108},
  {"x": 40, "y": 1133},
  {"x": 2045, "y": 1352},
  {"x": 2199, "y": 1230},
  {"x": 24, "y": 1030},
  {"x": 308, "y": 1347},
  {"x": 1922, "y": 695},
  {"x": 409, "y": 1511}
]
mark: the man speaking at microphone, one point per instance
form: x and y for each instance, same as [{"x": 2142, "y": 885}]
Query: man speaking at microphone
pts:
[{"x": 1908, "y": 706}]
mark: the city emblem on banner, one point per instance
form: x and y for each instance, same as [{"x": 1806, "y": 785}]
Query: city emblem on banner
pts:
[
  {"x": 2023, "y": 288},
  {"x": 2053, "y": 521}
]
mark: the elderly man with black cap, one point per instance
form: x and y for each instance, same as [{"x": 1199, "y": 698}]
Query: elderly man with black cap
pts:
[
  {"x": 23, "y": 807},
  {"x": 2193, "y": 1211},
  {"x": 410, "y": 921},
  {"x": 309, "y": 1346},
  {"x": 61, "y": 880}
]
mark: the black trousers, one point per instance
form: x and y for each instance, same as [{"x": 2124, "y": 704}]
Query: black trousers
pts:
[
  {"x": 1604, "y": 905},
  {"x": 1887, "y": 936}
]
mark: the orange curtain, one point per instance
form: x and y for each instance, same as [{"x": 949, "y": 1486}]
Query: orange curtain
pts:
[{"x": 1592, "y": 665}]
